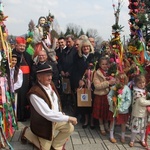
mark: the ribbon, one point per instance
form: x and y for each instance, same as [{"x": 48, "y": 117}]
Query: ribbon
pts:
[
  {"x": 139, "y": 65},
  {"x": 11, "y": 131},
  {"x": 2, "y": 132},
  {"x": 10, "y": 110},
  {"x": 117, "y": 107},
  {"x": 2, "y": 40},
  {"x": 2, "y": 85},
  {"x": 89, "y": 79}
]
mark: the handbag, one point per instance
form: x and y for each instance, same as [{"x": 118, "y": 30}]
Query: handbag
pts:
[
  {"x": 66, "y": 86},
  {"x": 84, "y": 97}
]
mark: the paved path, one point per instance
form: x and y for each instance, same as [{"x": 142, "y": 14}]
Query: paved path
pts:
[{"x": 83, "y": 139}]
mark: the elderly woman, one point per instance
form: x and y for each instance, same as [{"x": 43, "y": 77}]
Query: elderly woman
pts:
[{"x": 83, "y": 59}]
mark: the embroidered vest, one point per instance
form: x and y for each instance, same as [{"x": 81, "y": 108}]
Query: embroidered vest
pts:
[{"x": 38, "y": 124}]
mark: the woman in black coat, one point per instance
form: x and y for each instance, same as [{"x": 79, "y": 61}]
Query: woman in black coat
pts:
[{"x": 83, "y": 61}]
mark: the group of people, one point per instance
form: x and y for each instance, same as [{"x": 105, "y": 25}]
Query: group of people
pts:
[
  {"x": 116, "y": 99},
  {"x": 38, "y": 83}
]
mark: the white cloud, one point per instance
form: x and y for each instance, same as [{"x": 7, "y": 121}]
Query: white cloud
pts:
[
  {"x": 62, "y": 15},
  {"x": 97, "y": 7},
  {"x": 53, "y": 3},
  {"x": 12, "y": 2},
  {"x": 86, "y": 13}
]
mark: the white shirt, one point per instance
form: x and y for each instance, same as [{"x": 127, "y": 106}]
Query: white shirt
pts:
[
  {"x": 43, "y": 109},
  {"x": 85, "y": 56},
  {"x": 19, "y": 81}
]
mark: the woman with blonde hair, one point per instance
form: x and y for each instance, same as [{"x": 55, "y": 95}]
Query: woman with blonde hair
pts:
[{"x": 84, "y": 59}]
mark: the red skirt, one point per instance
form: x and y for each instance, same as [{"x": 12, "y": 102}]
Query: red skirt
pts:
[
  {"x": 100, "y": 107},
  {"x": 120, "y": 119}
]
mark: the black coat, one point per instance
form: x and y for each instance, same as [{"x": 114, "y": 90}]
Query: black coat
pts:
[
  {"x": 80, "y": 67},
  {"x": 28, "y": 59},
  {"x": 26, "y": 55},
  {"x": 67, "y": 60},
  {"x": 22, "y": 111}
]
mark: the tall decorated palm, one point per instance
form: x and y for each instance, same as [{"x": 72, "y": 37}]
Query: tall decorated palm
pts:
[
  {"x": 8, "y": 122},
  {"x": 137, "y": 24},
  {"x": 116, "y": 44}
]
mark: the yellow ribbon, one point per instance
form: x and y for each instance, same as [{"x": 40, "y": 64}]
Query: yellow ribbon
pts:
[{"x": 2, "y": 39}]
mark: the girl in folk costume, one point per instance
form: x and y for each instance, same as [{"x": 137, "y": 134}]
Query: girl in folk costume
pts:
[
  {"x": 119, "y": 99},
  {"x": 16, "y": 73},
  {"x": 102, "y": 83},
  {"x": 16, "y": 77},
  {"x": 139, "y": 110}
]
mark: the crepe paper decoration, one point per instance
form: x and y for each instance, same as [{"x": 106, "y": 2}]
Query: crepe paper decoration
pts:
[
  {"x": 7, "y": 116},
  {"x": 30, "y": 49},
  {"x": 117, "y": 98},
  {"x": 30, "y": 45},
  {"x": 137, "y": 21},
  {"x": 140, "y": 67},
  {"x": 2, "y": 86},
  {"x": 3, "y": 134},
  {"x": 10, "y": 110},
  {"x": 115, "y": 42},
  {"x": 89, "y": 79}
]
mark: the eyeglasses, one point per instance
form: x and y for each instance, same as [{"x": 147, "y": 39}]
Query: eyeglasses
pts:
[
  {"x": 85, "y": 46},
  {"x": 41, "y": 55}
]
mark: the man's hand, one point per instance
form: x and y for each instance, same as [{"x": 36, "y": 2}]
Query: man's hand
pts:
[{"x": 73, "y": 120}]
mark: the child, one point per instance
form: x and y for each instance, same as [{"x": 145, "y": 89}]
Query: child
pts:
[
  {"x": 101, "y": 84},
  {"x": 119, "y": 99},
  {"x": 16, "y": 77},
  {"x": 139, "y": 111}
]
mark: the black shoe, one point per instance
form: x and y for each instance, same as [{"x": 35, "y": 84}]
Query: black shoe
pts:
[
  {"x": 92, "y": 127},
  {"x": 84, "y": 126},
  {"x": 22, "y": 120},
  {"x": 23, "y": 139}
]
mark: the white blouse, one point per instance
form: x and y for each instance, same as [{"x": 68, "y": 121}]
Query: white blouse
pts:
[{"x": 19, "y": 81}]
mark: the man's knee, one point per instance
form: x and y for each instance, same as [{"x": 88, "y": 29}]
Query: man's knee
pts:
[{"x": 70, "y": 128}]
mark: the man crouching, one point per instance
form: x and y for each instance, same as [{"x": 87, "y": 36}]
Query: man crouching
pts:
[{"x": 46, "y": 115}]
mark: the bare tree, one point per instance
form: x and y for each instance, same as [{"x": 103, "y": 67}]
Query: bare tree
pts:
[
  {"x": 74, "y": 28},
  {"x": 93, "y": 33},
  {"x": 98, "y": 41}
]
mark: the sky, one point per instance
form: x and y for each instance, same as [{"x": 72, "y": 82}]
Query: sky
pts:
[{"x": 89, "y": 14}]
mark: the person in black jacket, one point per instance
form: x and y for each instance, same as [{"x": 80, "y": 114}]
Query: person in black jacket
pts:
[
  {"x": 67, "y": 59},
  {"x": 65, "y": 66},
  {"x": 25, "y": 65}
]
